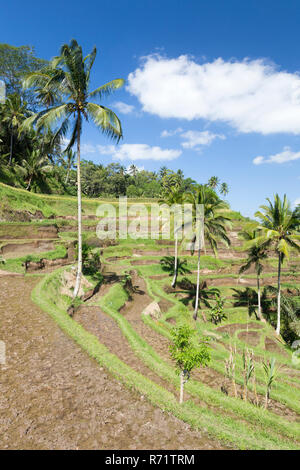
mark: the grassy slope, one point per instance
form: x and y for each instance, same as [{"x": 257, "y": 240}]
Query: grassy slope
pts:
[
  {"x": 277, "y": 434},
  {"x": 251, "y": 436}
]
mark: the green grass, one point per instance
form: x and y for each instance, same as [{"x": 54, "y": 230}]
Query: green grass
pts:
[
  {"x": 281, "y": 391},
  {"x": 221, "y": 426},
  {"x": 111, "y": 304},
  {"x": 52, "y": 204},
  {"x": 16, "y": 264}
]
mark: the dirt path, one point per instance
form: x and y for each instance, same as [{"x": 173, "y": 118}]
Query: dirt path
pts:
[{"x": 53, "y": 396}]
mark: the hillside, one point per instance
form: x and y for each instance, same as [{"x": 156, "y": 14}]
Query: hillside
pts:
[{"x": 124, "y": 322}]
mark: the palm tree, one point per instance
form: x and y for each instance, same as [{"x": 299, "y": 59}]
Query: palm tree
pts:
[
  {"x": 34, "y": 166},
  {"x": 71, "y": 79},
  {"x": 224, "y": 190},
  {"x": 70, "y": 159},
  {"x": 174, "y": 196},
  {"x": 47, "y": 94},
  {"x": 163, "y": 171},
  {"x": 279, "y": 225},
  {"x": 213, "y": 182},
  {"x": 15, "y": 113},
  {"x": 214, "y": 225},
  {"x": 133, "y": 170},
  {"x": 256, "y": 254},
  {"x": 169, "y": 265},
  {"x": 205, "y": 294}
]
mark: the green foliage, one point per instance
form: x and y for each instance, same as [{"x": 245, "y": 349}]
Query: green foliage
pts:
[
  {"x": 168, "y": 265},
  {"x": 15, "y": 63},
  {"x": 270, "y": 376},
  {"x": 217, "y": 313},
  {"x": 183, "y": 351},
  {"x": 91, "y": 262}
]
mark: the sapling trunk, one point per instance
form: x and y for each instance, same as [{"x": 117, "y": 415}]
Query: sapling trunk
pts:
[
  {"x": 230, "y": 369},
  {"x": 267, "y": 397},
  {"x": 181, "y": 387},
  {"x": 254, "y": 389}
]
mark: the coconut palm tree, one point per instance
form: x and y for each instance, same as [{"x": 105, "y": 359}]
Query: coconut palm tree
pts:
[
  {"x": 174, "y": 197},
  {"x": 213, "y": 182},
  {"x": 205, "y": 294},
  {"x": 47, "y": 94},
  {"x": 71, "y": 79},
  {"x": 214, "y": 225},
  {"x": 279, "y": 225},
  {"x": 256, "y": 254},
  {"x": 15, "y": 113},
  {"x": 34, "y": 166},
  {"x": 133, "y": 170},
  {"x": 224, "y": 190},
  {"x": 169, "y": 265}
]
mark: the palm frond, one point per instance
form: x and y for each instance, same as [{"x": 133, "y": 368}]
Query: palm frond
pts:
[
  {"x": 105, "y": 119},
  {"x": 108, "y": 88}
]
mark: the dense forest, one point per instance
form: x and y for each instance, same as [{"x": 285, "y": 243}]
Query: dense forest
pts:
[{"x": 38, "y": 159}]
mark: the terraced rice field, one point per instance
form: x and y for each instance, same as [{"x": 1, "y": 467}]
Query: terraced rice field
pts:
[{"x": 104, "y": 378}]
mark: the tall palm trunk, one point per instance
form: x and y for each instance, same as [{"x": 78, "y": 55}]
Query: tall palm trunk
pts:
[
  {"x": 278, "y": 295},
  {"x": 198, "y": 285},
  {"x": 67, "y": 176},
  {"x": 79, "y": 266},
  {"x": 11, "y": 146},
  {"x": 258, "y": 295},
  {"x": 29, "y": 182},
  {"x": 176, "y": 262},
  {"x": 259, "y": 299}
]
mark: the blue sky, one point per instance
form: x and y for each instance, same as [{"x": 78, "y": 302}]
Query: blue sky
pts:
[{"x": 212, "y": 86}]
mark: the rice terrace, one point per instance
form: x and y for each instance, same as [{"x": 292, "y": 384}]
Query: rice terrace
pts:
[{"x": 140, "y": 308}]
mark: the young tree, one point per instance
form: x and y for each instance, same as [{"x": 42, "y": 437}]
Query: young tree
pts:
[
  {"x": 256, "y": 254},
  {"x": 186, "y": 354},
  {"x": 270, "y": 375},
  {"x": 279, "y": 225},
  {"x": 71, "y": 79}
]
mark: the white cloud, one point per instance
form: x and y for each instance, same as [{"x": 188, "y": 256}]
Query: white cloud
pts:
[
  {"x": 251, "y": 96},
  {"x": 287, "y": 155},
  {"x": 123, "y": 108},
  {"x": 166, "y": 133},
  {"x": 296, "y": 202},
  {"x": 138, "y": 152},
  {"x": 194, "y": 138},
  {"x": 86, "y": 149}
]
